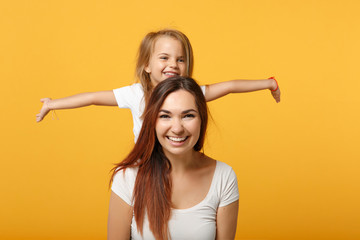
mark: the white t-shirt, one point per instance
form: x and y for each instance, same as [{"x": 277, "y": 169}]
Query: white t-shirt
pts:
[
  {"x": 132, "y": 97},
  {"x": 197, "y": 222}
]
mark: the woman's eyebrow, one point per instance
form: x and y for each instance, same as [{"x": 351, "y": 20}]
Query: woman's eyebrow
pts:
[
  {"x": 183, "y": 112},
  {"x": 165, "y": 111},
  {"x": 189, "y": 110}
]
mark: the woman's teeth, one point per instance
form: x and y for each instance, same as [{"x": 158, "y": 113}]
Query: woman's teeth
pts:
[{"x": 176, "y": 139}]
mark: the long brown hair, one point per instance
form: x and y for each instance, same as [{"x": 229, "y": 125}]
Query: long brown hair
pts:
[
  {"x": 146, "y": 48},
  {"x": 152, "y": 190}
]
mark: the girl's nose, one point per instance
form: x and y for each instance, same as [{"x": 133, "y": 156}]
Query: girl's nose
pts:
[{"x": 173, "y": 63}]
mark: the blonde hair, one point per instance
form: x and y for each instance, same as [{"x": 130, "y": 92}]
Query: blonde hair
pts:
[{"x": 146, "y": 49}]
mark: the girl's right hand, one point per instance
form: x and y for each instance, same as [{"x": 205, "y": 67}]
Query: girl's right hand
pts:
[
  {"x": 44, "y": 110},
  {"x": 276, "y": 95},
  {"x": 275, "y": 90}
]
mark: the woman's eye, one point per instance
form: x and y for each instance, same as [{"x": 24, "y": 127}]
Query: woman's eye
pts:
[
  {"x": 164, "y": 116},
  {"x": 189, "y": 116}
]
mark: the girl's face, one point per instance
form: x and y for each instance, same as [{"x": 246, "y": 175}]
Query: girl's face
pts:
[
  {"x": 178, "y": 124},
  {"x": 167, "y": 60}
]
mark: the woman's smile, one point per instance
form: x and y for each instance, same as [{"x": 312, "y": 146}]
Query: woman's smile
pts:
[
  {"x": 177, "y": 141},
  {"x": 178, "y": 124}
]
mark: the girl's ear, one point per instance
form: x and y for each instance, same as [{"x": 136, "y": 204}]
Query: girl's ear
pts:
[{"x": 147, "y": 69}]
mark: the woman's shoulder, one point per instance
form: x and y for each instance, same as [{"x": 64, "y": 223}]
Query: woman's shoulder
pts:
[
  {"x": 226, "y": 184},
  {"x": 223, "y": 166},
  {"x": 123, "y": 183},
  {"x": 224, "y": 172},
  {"x": 219, "y": 165},
  {"x": 127, "y": 174}
]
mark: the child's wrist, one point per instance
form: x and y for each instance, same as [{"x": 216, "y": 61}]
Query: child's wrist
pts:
[
  {"x": 49, "y": 105},
  {"x": 275, "y": 84}
]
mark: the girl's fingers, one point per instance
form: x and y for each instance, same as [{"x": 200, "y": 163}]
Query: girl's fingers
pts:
[{"x": 44, "y": 99}]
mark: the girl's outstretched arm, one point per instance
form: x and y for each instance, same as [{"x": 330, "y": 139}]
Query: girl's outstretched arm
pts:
[
  {"x": 217, "y": 90},
  {"x": 103, "y": 98}
]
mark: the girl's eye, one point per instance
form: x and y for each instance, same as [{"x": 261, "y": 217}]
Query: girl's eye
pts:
[
  {"x": 181, "y": 60},
  {"x": 163, "y": 58}
]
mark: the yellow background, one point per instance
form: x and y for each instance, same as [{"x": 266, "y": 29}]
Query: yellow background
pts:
[{"x": 297, "y": 162}]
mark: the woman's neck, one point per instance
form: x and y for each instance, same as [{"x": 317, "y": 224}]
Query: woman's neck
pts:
[{"x": 185, "y": 162}]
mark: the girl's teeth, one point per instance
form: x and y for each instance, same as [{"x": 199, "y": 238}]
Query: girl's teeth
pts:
[{"x": 177, "y": 139}]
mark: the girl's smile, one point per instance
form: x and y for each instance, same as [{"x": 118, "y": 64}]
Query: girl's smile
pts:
[{"x": 167, "y": 60}]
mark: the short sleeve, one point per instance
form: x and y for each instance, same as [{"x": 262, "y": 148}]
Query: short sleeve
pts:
[
  {"x": 132, "y": 97},
  {"x": 229, "y": 188},
  {"x": 129, "y": 96},
  {"x": 203, "y": 89},
  {"x": 123, "y": 184},
  {"x": 121, "y": 96}
]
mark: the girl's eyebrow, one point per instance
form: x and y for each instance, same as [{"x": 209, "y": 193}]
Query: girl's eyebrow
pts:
[
  {"x": 183, "y": 112},
  {"x": 169, "y": 55}
]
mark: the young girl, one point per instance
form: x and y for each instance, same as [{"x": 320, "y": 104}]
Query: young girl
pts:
[
  {"x": 162, "y": 54},
  {"x": 166, "y": 188}
]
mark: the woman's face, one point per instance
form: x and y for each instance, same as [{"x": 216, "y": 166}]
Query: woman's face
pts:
[{"x": 178, "y": 124}]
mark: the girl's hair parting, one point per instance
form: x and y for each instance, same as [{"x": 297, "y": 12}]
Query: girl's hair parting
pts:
[
  {"x": 146, "y": 49},
  {"x": 152, "y": 190}
]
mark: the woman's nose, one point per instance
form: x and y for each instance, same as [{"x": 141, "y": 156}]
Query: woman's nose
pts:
[{"x": 177, "y": 127}]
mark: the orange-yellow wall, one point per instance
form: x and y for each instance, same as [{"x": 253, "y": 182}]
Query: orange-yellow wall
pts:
[{"x": 297, "y": 162}]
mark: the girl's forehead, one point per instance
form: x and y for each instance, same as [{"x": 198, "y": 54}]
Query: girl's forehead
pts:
[{"x": 167, "y": 43}]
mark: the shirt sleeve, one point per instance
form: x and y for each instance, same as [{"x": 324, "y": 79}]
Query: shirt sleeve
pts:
[
  {"x": 229, "y": 189},
  {"x": 203, "y": 89},
  {"x": 126, "y": 96},
  {"x": 123, "y": 184}
]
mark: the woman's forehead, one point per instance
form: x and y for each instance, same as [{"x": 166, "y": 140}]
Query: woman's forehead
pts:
[{"x": 179, "y": 101}]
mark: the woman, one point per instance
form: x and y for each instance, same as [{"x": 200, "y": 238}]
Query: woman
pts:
[{"x": 166, "y": 188}]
